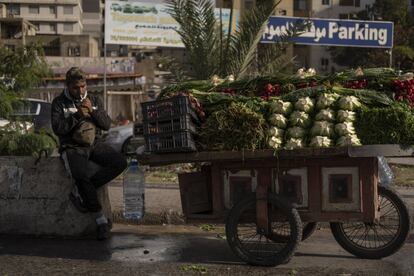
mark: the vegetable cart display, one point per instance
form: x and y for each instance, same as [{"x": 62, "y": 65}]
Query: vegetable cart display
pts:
[{"x": 282, "y": 153}]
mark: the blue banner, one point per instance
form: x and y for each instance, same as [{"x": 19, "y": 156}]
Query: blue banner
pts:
[{"x": 332, "y": 32}]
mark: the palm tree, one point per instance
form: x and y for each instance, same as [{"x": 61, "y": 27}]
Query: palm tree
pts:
[{"x": 211, "y": 51}]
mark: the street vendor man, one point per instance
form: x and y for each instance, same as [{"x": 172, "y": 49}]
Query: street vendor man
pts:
[{"x": 78, "y": 119}]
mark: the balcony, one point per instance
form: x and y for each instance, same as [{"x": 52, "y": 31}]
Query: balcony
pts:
[{"x": 40, "y": 2}]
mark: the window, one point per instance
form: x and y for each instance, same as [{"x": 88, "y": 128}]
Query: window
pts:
[
  {"x": 52, "y": 27},
  {"x": 34, "y": 9},
  {"x": 299, "y": 5},
  {"x": 52, "y": 10},
  {"x": 68, "y": 27},
  {"x": 67, "y": 10},
  {"x": 24, "y": 108},
  {"x": 74, "y": 51},
  {"x": 324, "y": 64},
  {"x": 412, "y": 2},
  {"x": 346, "y": 2},
  {"x": 357, "y": 3},
  {"x": 282, "y": 12},
  {"x": 13, "y": 9},
  {"x": 325, "y": 2}
]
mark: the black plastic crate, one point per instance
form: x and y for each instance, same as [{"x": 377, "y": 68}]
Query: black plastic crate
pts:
[
  {"x": 170, "y": 142},
  {"x": 167, "y": 108},
  {"x": 138, "y": 129},
  {"x": 173, "y": 124}
]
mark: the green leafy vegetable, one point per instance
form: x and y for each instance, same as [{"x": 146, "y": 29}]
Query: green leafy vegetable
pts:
[
  {"x": 325, "y": 115},
  {"x": 274, "y": 131},
  {"x": 294, "y": 143},
  {"x": 348, "y": 140},
  {"x": 346, "y": 128},
  {"x": 296, "y": 132},
  {"x": 304, "y": 104},
  {"x": 326, "y": 100},
  {"x": 280, "y": 107},
  {"x": 348, "y": 103},
  {"x": 345, "y": 116},
  {"x": 300, "y": 118},
  {"x": 391, "y": 125},
  {"x": 322, "y": 128},
  {"x": 234, "y": 128},
  {"x": 278, "y": 120},
  {"x": 320, "y": 142}
]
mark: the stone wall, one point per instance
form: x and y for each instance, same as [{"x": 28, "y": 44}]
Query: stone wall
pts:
[{"x": 34, "y": 199}]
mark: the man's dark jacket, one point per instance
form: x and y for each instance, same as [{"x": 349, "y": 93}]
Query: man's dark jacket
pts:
[{"x": 65, "y": 118}]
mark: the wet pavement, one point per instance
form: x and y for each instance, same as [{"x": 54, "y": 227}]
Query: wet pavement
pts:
[{"x": 186, "y": 250}]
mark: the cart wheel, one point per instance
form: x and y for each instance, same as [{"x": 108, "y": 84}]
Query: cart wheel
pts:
[
  {"x": 379, "y": 239},
  {"x": 309, "y": 229},
  {"x": 282, "y": 230},
  {"x": 255, "y": 248}
]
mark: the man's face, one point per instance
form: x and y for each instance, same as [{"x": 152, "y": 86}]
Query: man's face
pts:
[{"x": 77, "y": 89}]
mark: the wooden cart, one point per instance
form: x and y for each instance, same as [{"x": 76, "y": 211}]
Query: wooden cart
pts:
[{"x": 271, "y": 200}]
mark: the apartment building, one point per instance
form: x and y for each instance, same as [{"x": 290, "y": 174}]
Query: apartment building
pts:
[
  {"x": 14, "y": 32},
  {"x": 318, "y": 57},
  {"x": 93, "y": 21},
  {"x": 49, "y": 16},
  {"x": 59, "y": 26}
]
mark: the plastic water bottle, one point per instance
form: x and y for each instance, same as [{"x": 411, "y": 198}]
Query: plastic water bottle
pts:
[
  {"x": 134, "y": 191},
  {"x": 385, "y": 174}
]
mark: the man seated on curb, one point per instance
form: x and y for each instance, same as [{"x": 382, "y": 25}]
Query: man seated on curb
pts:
[{"x": 76, "y": 118}]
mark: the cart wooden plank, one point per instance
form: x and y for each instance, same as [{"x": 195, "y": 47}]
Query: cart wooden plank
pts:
[{"x": 154, "y": 159}]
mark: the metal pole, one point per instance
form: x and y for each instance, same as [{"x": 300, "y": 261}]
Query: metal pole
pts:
[
  {"x": 390, "y": 57},
  {"x": 104, "y": 92}
]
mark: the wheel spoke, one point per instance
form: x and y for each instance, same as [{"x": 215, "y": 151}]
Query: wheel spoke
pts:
[
  {"x": 368, "y": 236},
  {"x": 251, "y": 243}
]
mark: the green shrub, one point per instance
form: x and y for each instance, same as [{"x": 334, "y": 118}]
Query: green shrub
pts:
[{"x": 17, "y": 143}]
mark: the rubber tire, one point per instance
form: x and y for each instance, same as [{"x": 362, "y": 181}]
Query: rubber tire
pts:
[
  {"x": 287, "y": 252},
  {"x": 308, "y": 229},
  {"x": 341, "y": 238},
  {"x": 125, "y": 146}
]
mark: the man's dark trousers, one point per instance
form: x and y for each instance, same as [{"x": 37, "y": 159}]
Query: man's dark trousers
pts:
[{"x": 111, "y": 165}]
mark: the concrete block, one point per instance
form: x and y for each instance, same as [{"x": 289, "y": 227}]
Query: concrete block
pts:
[{"x": 34, "y": 199}]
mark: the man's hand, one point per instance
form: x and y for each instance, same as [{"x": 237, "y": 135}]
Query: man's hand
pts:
[
  {"x": 83, "y": 112},
  {"x": 87, "y": 104}
]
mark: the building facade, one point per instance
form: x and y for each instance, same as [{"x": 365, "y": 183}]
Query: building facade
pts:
[
  {"x": 15, "y": 32},
  {"x": 48, "y": 16},
  {"x": 59, "y": 26},
  {"x": 318, "y": 57}
]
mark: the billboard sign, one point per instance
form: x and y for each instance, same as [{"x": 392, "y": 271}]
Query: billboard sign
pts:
[
  {"x": 332, "y": 32},
  {"x": 144, "y": 23}
]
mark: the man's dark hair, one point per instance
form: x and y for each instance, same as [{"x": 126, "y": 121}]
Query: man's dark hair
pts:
[{"x": 75, "y": 74}]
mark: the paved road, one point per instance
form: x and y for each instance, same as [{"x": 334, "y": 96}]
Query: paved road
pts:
[
  {"x": 169, "y": 250},
  {"x": 183, "y": 250}
]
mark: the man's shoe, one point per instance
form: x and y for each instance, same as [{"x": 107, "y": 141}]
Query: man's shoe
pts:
[
  {"x": 77, "y": 202},
  {"x": 104, "y": 231}
]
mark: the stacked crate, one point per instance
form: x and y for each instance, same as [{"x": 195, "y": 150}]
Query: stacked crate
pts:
[{"x": 169, "y": 125}]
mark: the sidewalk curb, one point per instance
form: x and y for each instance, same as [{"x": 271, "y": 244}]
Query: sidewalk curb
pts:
[{"x": 164, "y": 217}]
